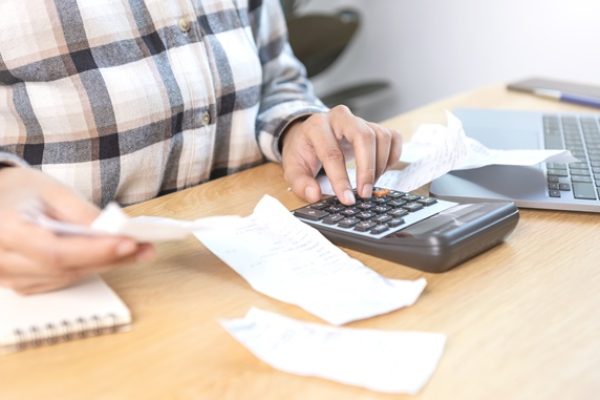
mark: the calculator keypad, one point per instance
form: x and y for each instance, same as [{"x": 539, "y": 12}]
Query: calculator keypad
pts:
[{"x": 385, "y": 212}]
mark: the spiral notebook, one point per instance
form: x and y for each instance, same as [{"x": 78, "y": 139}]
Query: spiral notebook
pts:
[{"x": 89, "y": 308}]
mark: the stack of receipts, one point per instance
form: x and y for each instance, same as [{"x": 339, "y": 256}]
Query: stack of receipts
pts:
[
  {"x": 285, "y": 259},
  {"x": 436, "y": 149}
]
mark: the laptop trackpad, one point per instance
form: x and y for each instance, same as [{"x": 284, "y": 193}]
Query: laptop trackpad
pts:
[{"x": 493, "y": 182}]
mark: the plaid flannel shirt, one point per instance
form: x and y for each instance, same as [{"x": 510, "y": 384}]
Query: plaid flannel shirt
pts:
[{"x": 129, "y": 99}]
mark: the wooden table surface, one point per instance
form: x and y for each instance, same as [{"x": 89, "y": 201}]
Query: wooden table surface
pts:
[{"x": 523, "y": 319}]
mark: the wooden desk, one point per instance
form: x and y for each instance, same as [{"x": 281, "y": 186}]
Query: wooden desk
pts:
[{"x": 523, "y": 320}]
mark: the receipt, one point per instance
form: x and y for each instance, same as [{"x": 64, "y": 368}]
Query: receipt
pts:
[
  {"x": 436, "y": 149},
  {"x": 288, "y": 260},
  {"x": 114, "y": 222},
  {"x": 386, "y": 361}
]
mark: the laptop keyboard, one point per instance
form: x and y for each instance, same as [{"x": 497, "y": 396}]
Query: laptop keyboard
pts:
[
  {"x": 580, "y": 135},
  {"x": 386, "y": 212}
]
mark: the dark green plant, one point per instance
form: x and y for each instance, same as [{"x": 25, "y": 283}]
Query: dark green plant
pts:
[{"x": 318, "y": 41}]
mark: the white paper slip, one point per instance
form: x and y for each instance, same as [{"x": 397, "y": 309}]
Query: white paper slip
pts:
[
  {"x": 436, "y": 149},
  {"x": 114, "y": 222},
  {"x": 290, "y": 261},
  {"x": 385, "y": 361},
  {"x": 480, "y": 156}
]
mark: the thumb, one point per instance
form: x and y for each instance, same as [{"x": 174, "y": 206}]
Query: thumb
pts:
[{"x": 302, "y": 181}]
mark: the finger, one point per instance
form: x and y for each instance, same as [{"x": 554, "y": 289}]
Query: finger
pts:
[
  {"x": 19, "y": 273},
  {"x": 300, "y": 166},
  {"x": 384, "y": 145},
  {"x": 302, "y": 182},
  {"x": 16, "y": 266},
  {"x": 364, "y": 142},
  {"x": 395, "y": 148},
  {"x": 42, "y": 286},
  {"x": 65, "y": 205},
  {"x": 65, "y": 251},
  {"x": 331, "y": 156},
  {"x": 78, "y": 252}
]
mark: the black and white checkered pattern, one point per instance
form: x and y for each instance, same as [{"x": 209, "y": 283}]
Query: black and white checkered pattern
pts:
[{"x": 128, "y": 99}]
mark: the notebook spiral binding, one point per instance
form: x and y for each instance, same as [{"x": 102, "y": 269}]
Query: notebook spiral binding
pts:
[{"x": 51, "y": 333}]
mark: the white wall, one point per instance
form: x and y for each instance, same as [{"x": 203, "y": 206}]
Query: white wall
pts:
[{"x": 431, "y": 49}]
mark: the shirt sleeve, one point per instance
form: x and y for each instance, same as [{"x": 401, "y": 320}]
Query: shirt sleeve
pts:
[
  {"x": 12, "y": 160},
  {"x": 287, "y": 94}
]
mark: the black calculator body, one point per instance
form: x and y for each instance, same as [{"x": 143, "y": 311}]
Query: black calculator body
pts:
[{"x": 429, "y": 234}]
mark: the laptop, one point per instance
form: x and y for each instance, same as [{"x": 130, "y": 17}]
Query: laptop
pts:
[{"x": 571, "y": 187}]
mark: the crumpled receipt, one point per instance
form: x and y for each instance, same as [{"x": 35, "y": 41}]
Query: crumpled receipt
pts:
[
  {"x": 286, "y": 259},
  {"x": 437, "y": 149},
  {"x": 385, "y": 361}
]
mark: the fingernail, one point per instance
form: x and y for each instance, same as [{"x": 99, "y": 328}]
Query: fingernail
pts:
[
  {"x": 349, "y": 197},
  {"x": 367, "y": 191},
  {"x": 311, "y": 193},
  {"x": 125, "y": 248}
]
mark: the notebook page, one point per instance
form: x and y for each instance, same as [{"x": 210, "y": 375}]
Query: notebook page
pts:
[{"x": 89, "y": 304}]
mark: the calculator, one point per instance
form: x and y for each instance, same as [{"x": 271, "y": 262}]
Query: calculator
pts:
[{"x": 422, "y": 232}]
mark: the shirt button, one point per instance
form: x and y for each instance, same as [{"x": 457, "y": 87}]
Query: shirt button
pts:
[
  {"x": 184, "y": 25},
  {"x": 205, "y": 118}
]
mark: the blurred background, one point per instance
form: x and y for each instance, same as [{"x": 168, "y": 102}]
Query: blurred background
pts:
[{"x": 383, "y": 57}]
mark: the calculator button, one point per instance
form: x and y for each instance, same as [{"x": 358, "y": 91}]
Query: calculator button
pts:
[
  {"x": 411, "y": 197},
  {"x": 364, "y": 226},
  {"x": 349, "y": 222},
  {"x": 333, "y": 219},
  {"x": 553, "y": 179},
  {"x": 564, "y": 187},
  {"x": 396, "y": 203},
  {"x": 427, "y": 201},
  {"x": 379, "y": 229},
  {"x": 554, "y": 186},
  {"x": 365, "y": 215},
  {"x": 396, "y": 195},
  {"x": 395, "y": 222},
  {"x": 381, "y": 209},
  {"x": 380, "y": 192},
  {"x": 310, "y": 213},
  {"x": 380, "y": 200},
  {"x": 382, "y": 218},
  {"x": 412, "y": 207},
  {"x": 400, "y": 212},
  {"x": 349, "y": 212},
  {"x": 366, "y": 205},
  {"x": 320, "y": 205},
  {"x": 335, "y": 209}
]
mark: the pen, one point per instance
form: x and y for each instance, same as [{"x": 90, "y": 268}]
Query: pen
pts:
[{"x": 569, "y": 98}]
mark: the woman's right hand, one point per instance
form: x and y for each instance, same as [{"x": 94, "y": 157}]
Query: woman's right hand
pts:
[{"x": 33, "y": 259}]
